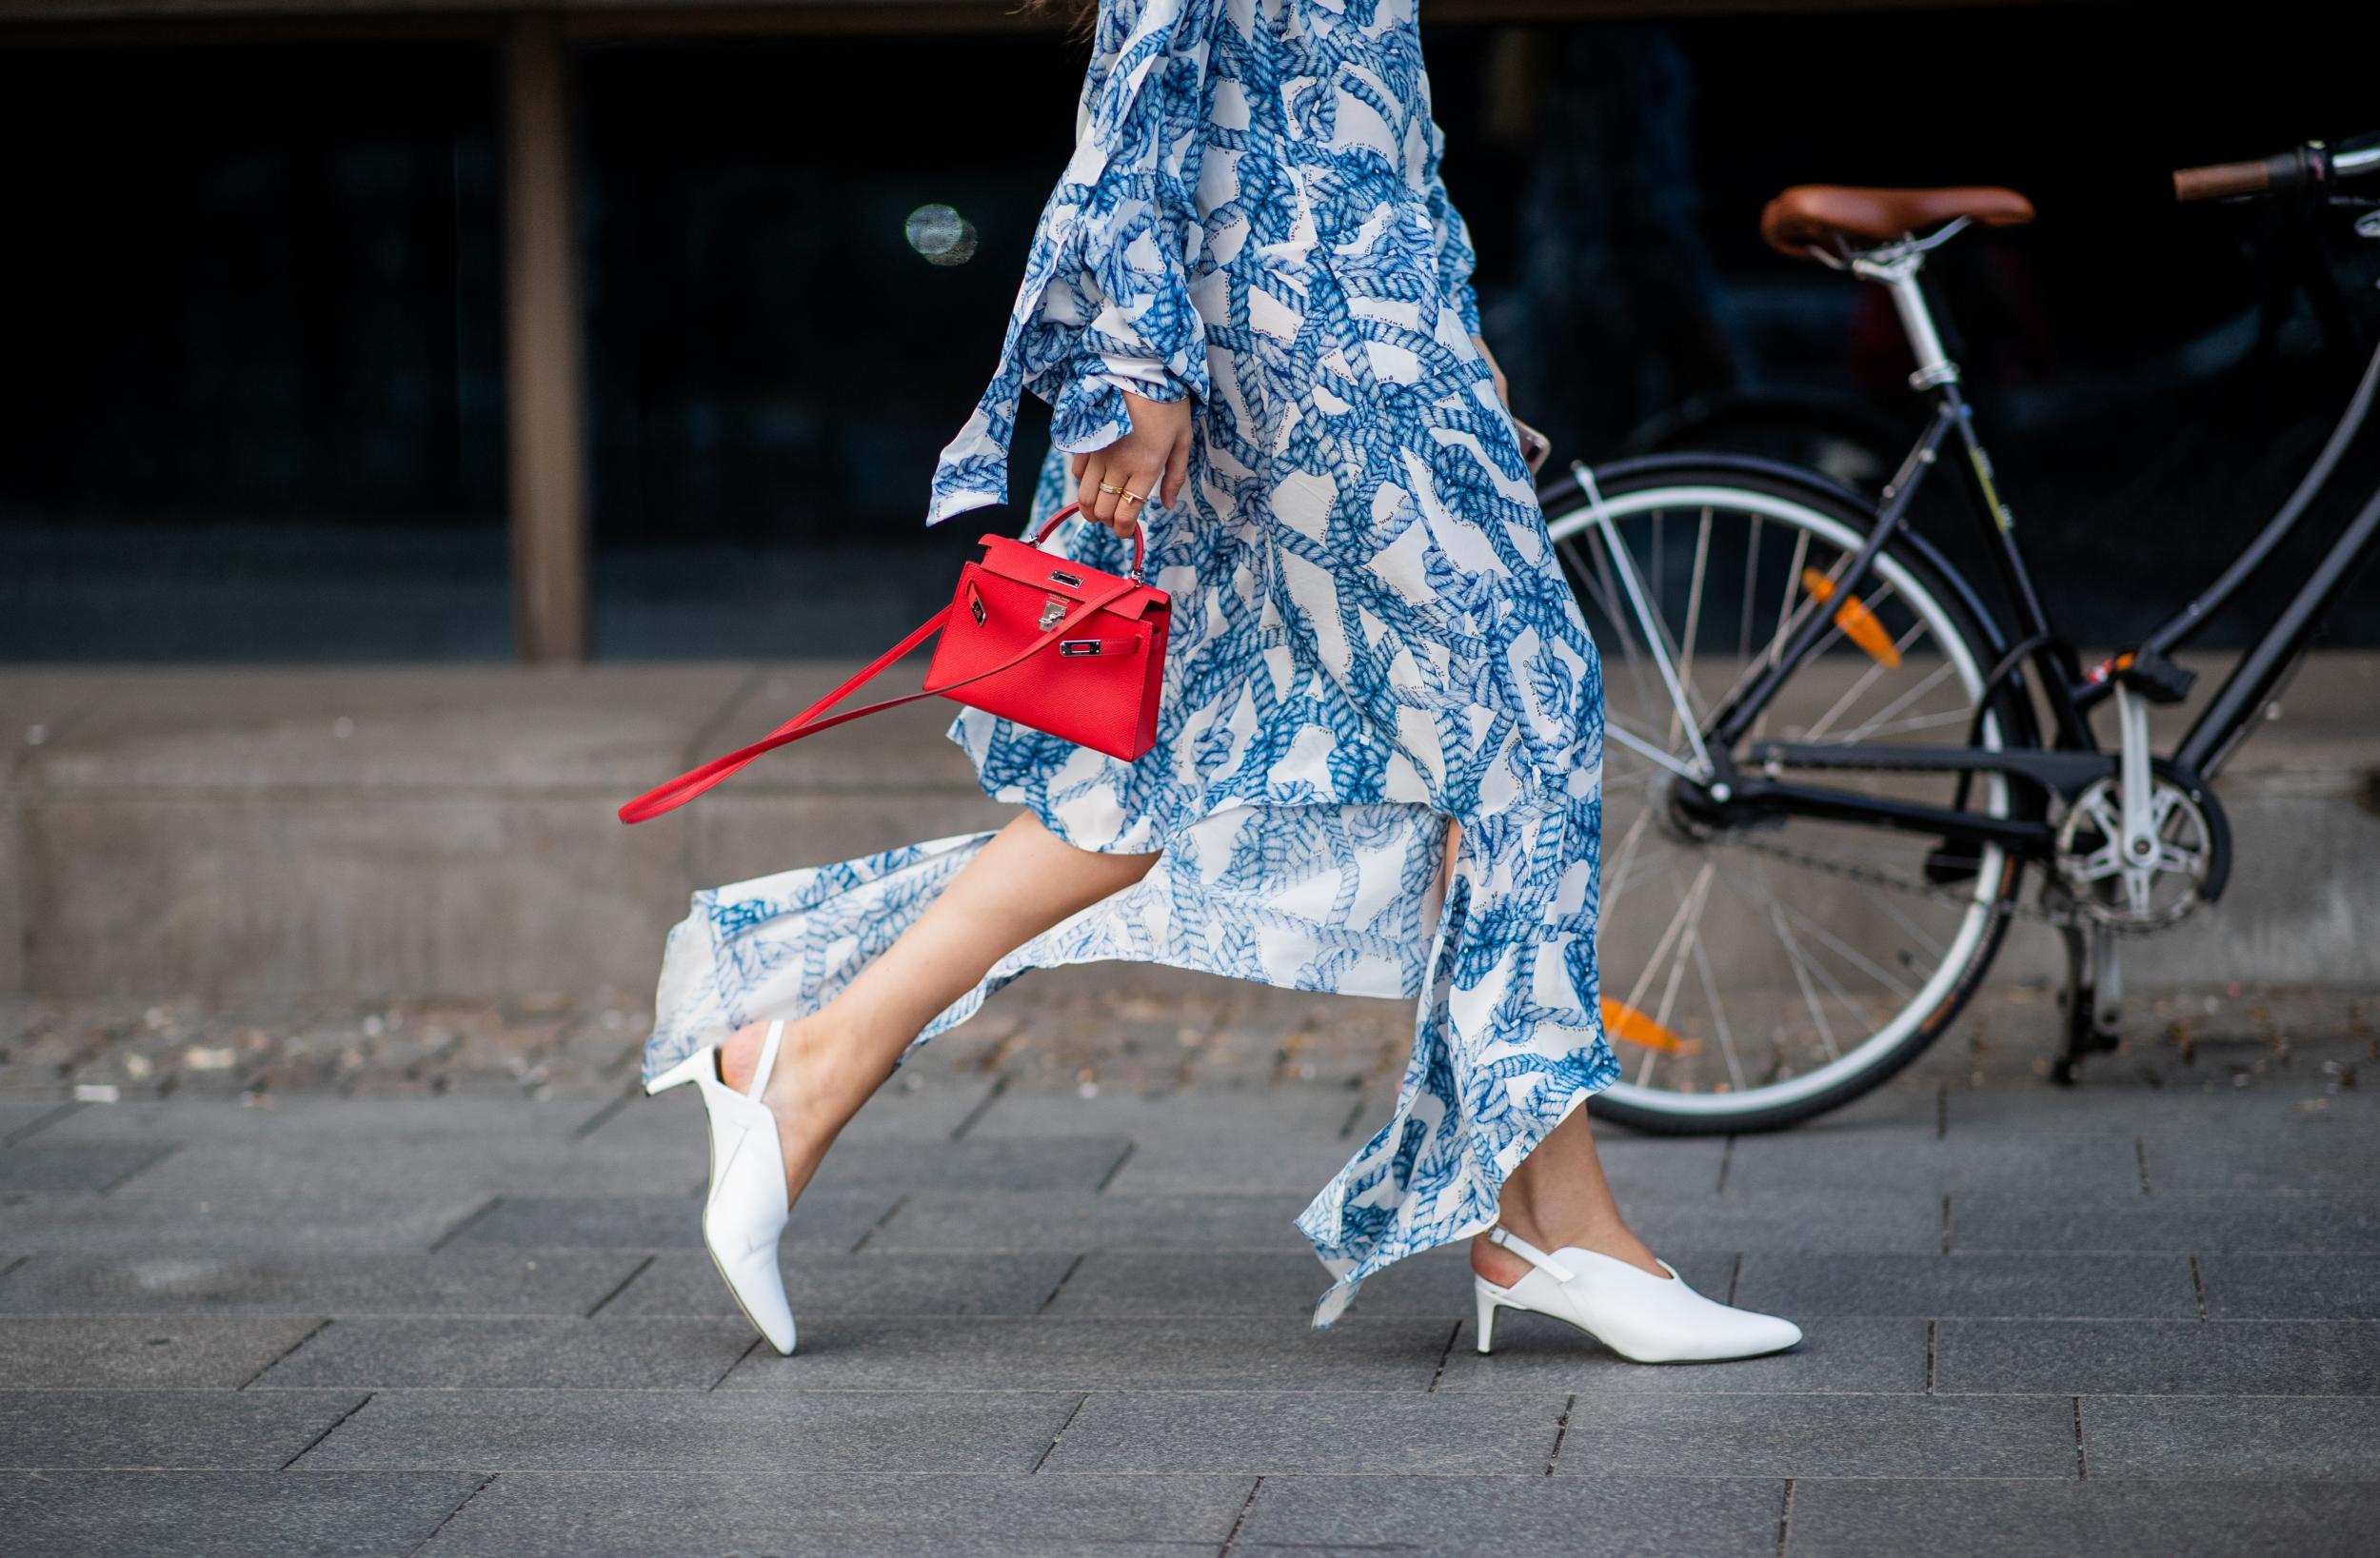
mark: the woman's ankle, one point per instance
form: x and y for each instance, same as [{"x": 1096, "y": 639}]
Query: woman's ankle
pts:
[{"x": 1504, "y": 1267}]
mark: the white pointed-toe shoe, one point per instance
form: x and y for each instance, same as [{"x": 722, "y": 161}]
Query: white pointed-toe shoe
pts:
[
  {"x": 745, "y": 1209},
  {"x": 1642, "y": 1317}
]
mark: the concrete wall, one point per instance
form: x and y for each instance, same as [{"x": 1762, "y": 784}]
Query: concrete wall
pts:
[{"x": 410, "y": 831}]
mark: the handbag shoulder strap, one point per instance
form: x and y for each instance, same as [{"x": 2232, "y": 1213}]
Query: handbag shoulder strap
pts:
[{"x": 669, "y": 796}]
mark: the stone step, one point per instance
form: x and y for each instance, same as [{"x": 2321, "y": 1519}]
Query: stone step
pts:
[{"x": 409, "y": 829}]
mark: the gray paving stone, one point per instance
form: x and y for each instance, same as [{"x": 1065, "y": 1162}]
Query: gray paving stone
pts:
[
  {"x": 1378, "y": 1353},
  {"x": 1853, "y": 1518},
  {"x": 1165, "y": 1282},
  {"x": 1069, "y": 1163},
  {"x": 1174, "y": 1127},
  {"x": 451, "y": 1281},
  {"x": 347, "y": 1121},
  {"x": 2339, "y": 1154},
  {"x": 299, "y": 1168},
  {"x": 2203, "y": 1224},
  {"x": 821, "y": 1283},
  {"x": 948, "y": 1220},
  {"x": 2122, "y": 1109},
  {"x": 671, "y": 1122},
  {"x": 388, "y": 1219},
  {"x": 1913, "y": 1157},
  {"x": 1819, "y": 1436},
  {"x": 828, "y": 1221},
  {"x": 2159, "y": 1357},
  {"x": 1864, "y": 1355},
  {"x": 193, "y": 1430},
  {"x": 1907, "y": 1221},
  {"x": 1460, "y": 1517},
  {"x": 1235, "y": 1164},
  {"x": 180, "y": 1352},
  {"x": 533, "y": 1514},
  {"x": 1289, "y": 1141},
  {"x": 24, "y": 1117},
  {"x": 233, "y": 1514},
  {"x": 1986, "y": 1283},
  {"x": 2284, "y": 1439},
  {"x": 2288, "y": 1287},
  {"x": 1437, "y": 1282},
  {"x": 93, "y": 1166},
  {"x": 406, "y": 1352},
  {"x": 1296, "y": 1433},
  {"x": 742, "y": 1431}
]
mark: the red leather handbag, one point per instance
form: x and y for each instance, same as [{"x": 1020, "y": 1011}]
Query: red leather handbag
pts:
[{"x": 1029, "y": 635}]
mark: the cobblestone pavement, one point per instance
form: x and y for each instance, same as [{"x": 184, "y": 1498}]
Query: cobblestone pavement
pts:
[{"x": 423, "y": 1276}]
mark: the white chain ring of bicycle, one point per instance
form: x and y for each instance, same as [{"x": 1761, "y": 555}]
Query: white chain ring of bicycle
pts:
[{"x": 2147, "y": 894}]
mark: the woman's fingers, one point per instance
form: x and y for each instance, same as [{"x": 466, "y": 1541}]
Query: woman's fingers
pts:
[
  {"x": 1177, "y": 467},
  {"x": 1129, "y": 473},
  {"x": 1090, "y": 485}
]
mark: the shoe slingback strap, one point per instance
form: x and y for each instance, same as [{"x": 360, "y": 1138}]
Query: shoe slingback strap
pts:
[
  {"x": 1530, "y": 1252},
  {"x": 768, "y": 1059}
]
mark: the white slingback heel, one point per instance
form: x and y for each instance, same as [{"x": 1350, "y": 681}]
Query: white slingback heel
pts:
[
  {"x": 746, "y": 1210},
  {"x": 1642, "y": 1317}
]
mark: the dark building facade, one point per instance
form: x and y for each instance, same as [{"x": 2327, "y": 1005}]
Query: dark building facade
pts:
[{"x": 465, "y": 334}]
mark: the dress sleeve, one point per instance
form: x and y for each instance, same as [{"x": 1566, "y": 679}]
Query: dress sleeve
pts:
[
  {"x": 1104, "y": 306},
  {"x": 1456, "y": 257}
]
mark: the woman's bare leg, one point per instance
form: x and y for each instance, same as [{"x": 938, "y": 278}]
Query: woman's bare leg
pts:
[
  {"x": 1559, "y": 1196},
  {"x": 1023, "y": 882}
]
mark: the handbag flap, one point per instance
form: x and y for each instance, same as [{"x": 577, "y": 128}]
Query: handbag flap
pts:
[{"x": 1005, "y": 557}]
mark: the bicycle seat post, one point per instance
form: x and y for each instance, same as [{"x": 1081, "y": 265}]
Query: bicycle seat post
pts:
[{"x": 1895, "y": 267}]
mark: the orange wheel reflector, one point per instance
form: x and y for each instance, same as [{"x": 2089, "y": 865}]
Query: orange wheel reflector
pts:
[
  {"x": 1627, "y": 1024},
  {"x": 1857, "y": 623}
]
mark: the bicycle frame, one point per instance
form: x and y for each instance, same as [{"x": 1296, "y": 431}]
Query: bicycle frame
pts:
[{"x": 2073, "y": 759}]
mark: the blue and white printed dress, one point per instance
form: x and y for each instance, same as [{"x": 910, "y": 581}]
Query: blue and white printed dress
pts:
[{"x": 1371, "y": 632}]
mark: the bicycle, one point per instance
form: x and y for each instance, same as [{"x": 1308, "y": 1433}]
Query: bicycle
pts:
[{"x": 1788, "y": 664}]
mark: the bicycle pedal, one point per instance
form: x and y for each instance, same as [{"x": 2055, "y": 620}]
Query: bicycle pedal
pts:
[{"x": 2149, "y": 672}]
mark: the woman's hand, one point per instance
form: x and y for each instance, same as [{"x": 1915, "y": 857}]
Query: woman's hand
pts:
[{"x": 1150, "y": 461}]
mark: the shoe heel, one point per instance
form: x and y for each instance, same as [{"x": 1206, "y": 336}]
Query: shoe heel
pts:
[
  {"x": 694, "y": 1068},
  {"x": 1487, "y": 1315}
]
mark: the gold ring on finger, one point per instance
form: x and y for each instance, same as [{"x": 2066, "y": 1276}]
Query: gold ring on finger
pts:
[
  {"x": 1133, "y": 496},
  {"x": 1110, "y": 487}
]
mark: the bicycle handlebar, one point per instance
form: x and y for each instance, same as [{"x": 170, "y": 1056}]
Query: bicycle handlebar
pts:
[{"x": 2312, "y": 166}]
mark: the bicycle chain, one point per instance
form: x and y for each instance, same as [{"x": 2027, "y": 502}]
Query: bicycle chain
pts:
[{"x": 2063, "y": 919}]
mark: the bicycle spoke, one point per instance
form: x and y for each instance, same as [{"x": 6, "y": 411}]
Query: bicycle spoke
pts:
[
  {"x": 1848, "y": 955},
  {"x": 1694, "y": 610},
  {"x": 1752, "y": 582},
  {"x": 1925, "y": 684},
  {"x": 1868, "y": 679},
  {"x": 1770, "y": 963},
  {"x": 1691, "y": 916},
  {"x": 1646, "y": 749},
  {"x": 1801, "y": 976},
  {"x": 1785, "y": 620},
  {"x": 1718, "y": 1017},
  {"x": 1656, "y": 635},
  {"x": 1627, "y": 861}
]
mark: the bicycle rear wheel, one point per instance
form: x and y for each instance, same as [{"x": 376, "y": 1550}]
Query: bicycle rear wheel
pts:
[{"x": 1755, "y": 974}]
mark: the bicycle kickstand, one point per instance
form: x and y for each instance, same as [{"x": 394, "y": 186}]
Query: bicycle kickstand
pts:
[{"x": 2093, "y": 999}]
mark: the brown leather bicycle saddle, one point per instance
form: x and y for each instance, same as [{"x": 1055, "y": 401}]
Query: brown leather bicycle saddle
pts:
[{"x": 1814, "y": 214}]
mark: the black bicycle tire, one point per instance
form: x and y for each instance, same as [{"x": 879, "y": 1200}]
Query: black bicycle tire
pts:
[{"x": 2006, "y": 701}]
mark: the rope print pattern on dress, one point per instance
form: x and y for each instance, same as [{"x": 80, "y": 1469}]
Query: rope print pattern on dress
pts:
[{"x": 1372, "y": 633}]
